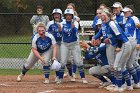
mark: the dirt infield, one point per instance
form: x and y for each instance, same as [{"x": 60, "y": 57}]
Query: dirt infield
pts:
[{"x": 34, "y": 84}]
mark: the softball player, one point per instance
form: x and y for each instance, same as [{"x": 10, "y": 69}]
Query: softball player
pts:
[
  {"x": 54, "y": 27},
  {"x": 118, "y": 14},
  {"x": 72, "y": 69},
  {"x": 95, "y": 19},
  {"x": 42, "y": 45},
  {"x": 70, "y": 42},
  {"x": 131, "y": 31},
  {"x": 38, "y": 19},
  {"x": 120, "y": 42},
  {"x": 99, "y": 53}
]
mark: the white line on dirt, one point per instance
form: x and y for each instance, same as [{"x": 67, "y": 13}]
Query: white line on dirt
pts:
[
  {"x": 48, "y": 91},
  {"x": 4, "y": 85}
]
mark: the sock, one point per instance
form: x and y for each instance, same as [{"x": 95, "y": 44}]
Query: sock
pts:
[
  {"x": 81, "y": 71},
  {"x": 57, "y": 73},
  {"x": 100, "y": 78},
  {"x": 132, "y": 72},
  {"x": 46, "y": 70},
  {"x": 119, "y": 78},
  {"x": 127, "y": 78},
  {"x": 69, "y": 67},
  {"x": 74, "y": 68},
  {"x": 137, "y": 67},
  {"x": 24, "y": 70},
  {"x": 112, "y": 78},
  {"x": 61, "y": 72}
]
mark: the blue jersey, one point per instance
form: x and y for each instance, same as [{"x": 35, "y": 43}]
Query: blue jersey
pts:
[
  {"x": 138, "y": 35},
  {"x": 114, "y": 33},
  {"x": 42, "y": 45},
  {"x": 102, "y": 32},
  {"x": 95, "y": 22},
  {"x": 99, "y": 55},
  {"x": 52, "y": 27},
  {"x": 120, "y": 19},
  {"x": 69, "y": 34},
  {"x": 130, "y": 27}
]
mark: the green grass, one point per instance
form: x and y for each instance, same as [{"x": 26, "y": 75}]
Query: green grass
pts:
[
  {"x": 15, "y": 50},
  {"x": 15, "y": 38},
  {"x": 18, "y": 71},
  {"x": 5, "y": 72}
]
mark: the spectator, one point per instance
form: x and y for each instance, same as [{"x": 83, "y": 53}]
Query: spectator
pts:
[{"x": 39, "y": 18}]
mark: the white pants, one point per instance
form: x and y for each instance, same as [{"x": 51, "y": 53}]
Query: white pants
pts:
[
  {"x": 75, "y": 50},
  {"x": 99, "y": 70},
  {"x": 32, "y": 59},
  {"x": 123, "y": 56}
]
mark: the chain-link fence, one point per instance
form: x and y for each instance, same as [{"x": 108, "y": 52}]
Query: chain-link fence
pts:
[{"x": 16, "y": 30}]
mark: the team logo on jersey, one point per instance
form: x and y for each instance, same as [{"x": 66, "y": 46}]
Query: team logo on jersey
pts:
[
  {"x": 128, "y": 25},
  {"x": 109, "y": 35}
]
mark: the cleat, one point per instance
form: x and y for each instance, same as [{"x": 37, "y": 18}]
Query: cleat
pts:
[
  {"x": 46, "y": 81},
  {"x": 104, "y": 84},
  {"x": 110, "y": 87},
  {"x": 65, "y": 75},
  {"x": 56, "y": 79},
  {"x": 84, "y": 81},
  {"x": 118, "y": 89},
  {"x": 136, "y": 86},
  {"x": 20, "y": 77},
  {"x": 59, "y": 81},
  {"x": 72, "y": 79},
  {"x": 74, "y": 75},
  {"x": 129, "y": 88}
]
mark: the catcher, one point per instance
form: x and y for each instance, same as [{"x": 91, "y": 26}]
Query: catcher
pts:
[{"x": 98, "y": 51}]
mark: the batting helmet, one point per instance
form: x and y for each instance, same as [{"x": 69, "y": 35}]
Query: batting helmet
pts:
[
  {"x": 69, "y": 11},
  {"x": 57, "y": 10},
  {"x": 55, "y": 66}
]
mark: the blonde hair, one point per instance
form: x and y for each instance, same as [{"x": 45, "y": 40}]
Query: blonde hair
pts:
[
  {"x": 73, "y": 5},
  {"x": 40, "y": 24},
  {"x": 109, "y": 14}
]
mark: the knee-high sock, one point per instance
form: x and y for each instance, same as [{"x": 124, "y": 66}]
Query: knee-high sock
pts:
[
  {"x": 69, "y": 67},
  {"x": 57, "y": 73},
  {"x": 100, "y": 78},
  {"x": 24, "y": 70},
  {"x": 74, "y": 68},
  {"x": 61, "y": 72},
  {"x": 113, "y": 78},
  {"x": 119, "y": 78},
  {"x": 46, "y": 70},
  {"x": 132, "y": 72},
  {"x": 127, "y": 78},
  {"x": 81, "y": 71},
  {"x": 137, "y": 67}
]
